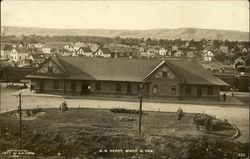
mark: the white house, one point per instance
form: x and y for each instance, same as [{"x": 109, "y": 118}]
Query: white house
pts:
[
  {"x": 207, "y": 55},
  {"x": 84, "y": 51},
  {"x": 178, "y": 54},
  {"x": 5, "y": 52},
  {"x": 18, "y": 54},
  {"x": 175, "y": 48},
  {"x": 46, "y": 50},
  {"x": 103, "y": 52},
  {"x": 162, "y": 51},
  {"x": 38, "y": 45}
]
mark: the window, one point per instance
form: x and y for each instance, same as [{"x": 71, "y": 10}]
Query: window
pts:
[
  {"x": 118, "y": 86},
  {"x": 155, "y": 89},
  {"x": 164, "y": 74},
  {"x": 173, "y": 89},
  {"x": 19, "y": 57},
  {"x": 210, "y": 90},
  {"x": 138, "y": 88},
  {"x": 56, "y": 84},
  {"x": 73, "y": 85},
  {"x": 98, "y": 86},
  {"x": 171, "y": 75},
  {"x": 50, "y": 69},
  {"x": 188, "y": 90}
]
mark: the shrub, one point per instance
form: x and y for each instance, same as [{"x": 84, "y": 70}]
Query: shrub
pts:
[
  {"x": 123, "y": 110},
  {"x": 35, "y": 111}
]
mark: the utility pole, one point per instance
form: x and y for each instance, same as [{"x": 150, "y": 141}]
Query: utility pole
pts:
[
  {"x": 20, "y": 119},
  {"x": 140, "y": 108}
]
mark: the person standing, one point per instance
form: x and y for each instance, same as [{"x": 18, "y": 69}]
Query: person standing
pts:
[{"x": 224, "y": 97}]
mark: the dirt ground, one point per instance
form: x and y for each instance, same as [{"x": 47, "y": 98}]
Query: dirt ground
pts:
[{"x": 88, "y": 133}]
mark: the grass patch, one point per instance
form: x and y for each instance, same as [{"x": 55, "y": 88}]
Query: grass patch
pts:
[{"x": 83, "y": 132}]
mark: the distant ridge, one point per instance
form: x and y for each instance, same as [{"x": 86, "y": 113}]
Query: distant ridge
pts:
[{"x": 180, "y": 33}]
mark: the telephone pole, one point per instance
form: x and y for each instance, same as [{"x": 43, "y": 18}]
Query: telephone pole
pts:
[
  {"x": 140, "y": 108},
  {"x": 20, "y": 120}
]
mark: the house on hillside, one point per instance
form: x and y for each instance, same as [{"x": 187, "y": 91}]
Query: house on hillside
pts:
[
  {"x": 46, "y": 49},
  {"x": 180, "y": 79},
  {"x": 163, "y": 51},
  {"x": 37, "y": 58},
  {"x": 102, "y": 52},
  {"x": 179, "y": 53},
  {"x": 5, "y": 52},
  {"x": 152, "y": 51},
  {"x": 18, "y": 54},
  {"x": 83, "y": 52},
  {"x": 38, "y": 45},
  {"x": 207, "y": 55},
  {"x": 77, "y": 45},
  {"x": 175, "y": 48},
  {"x": 239, "y": 62},
  {"x": 122, "y": 51}
]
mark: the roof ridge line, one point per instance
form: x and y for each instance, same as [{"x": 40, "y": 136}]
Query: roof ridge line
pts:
[{"x": 160, "y": 64}]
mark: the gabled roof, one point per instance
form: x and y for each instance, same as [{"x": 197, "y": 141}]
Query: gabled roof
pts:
[
  {"x": 194, "y": 74},
  {"x": 85, "y": 49},
  {"x": 132, "y": 70},
  {"x": 21, "y": 50},
  {"x": 6, "y": 47},
  {"x": 106, "y": 50}
]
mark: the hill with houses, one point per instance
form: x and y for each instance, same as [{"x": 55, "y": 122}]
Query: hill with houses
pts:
[{"x": 180, "y": 33}]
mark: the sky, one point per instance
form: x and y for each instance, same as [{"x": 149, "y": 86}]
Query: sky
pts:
[{"x": 132, "y": 15}]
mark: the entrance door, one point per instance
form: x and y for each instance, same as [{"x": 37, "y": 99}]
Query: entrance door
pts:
[
  {"x": 41, "y": 86},
  {"x": 85, "y": 89},
  {"x": 128, "y": 89},
  {"x": 199, "y": 91}
]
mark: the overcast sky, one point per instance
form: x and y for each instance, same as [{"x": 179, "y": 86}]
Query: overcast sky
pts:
[{"x": 230, "y": 15}]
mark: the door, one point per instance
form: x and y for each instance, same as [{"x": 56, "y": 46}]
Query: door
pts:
[
  {"x": 128, "y": 89},
  {"x": 199, "y": 91},
  {"x": 41, "y": 86},
  {"x": 85, "y": 89}
]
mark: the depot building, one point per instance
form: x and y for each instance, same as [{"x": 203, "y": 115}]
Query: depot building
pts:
[{"x": 79, "y": 76}]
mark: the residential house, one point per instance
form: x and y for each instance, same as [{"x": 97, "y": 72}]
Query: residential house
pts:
[
  {"x": 37, "y": 58},
  {"x": 122, "y": 51},
  {"x": 18, "y": 54},
  {"x": 207, "y": 55},
  {"x": 5, "y": 52},
  {"x": 102, "y": 52},
  {"x": 175, "y": 48},
  {"x": 239, "y": 62},
  {"x": 77, "y": 45},
  {"x": 38, "y": 45},
  {"x": 163, "y": 51},
  {"x": 83, "y": 52},
  {"x": 244, "y": 50},
  {"x": 180, "y": 79},
  {"x": 47, "y": 48},
  {"x": 152, "y": 51},
  {"x": 179, "y": 53}
]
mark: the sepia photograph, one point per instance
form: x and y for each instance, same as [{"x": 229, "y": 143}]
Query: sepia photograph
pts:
[{"x": 143, "y": 79}]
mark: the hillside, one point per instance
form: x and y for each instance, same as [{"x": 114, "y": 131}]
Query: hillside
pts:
[{"x": 181, "y": 33}]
